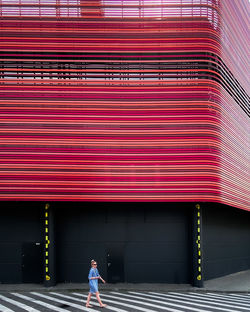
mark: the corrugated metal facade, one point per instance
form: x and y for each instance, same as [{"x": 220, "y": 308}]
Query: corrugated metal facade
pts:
[{"x": 124, "y": 101}]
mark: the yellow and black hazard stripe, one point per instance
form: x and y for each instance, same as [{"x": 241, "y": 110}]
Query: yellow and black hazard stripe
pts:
[
  {"x": 198, "y": 241},
  {"x": 47, "y": 242}
]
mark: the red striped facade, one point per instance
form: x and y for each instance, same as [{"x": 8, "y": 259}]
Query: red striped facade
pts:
[{"x": 124, "y": 101}]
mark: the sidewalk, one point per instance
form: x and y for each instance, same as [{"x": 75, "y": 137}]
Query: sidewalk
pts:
[{"x": 237, "y": 282}]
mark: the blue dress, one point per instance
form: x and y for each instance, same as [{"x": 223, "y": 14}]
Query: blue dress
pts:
[{"x": 93, "y": 283}]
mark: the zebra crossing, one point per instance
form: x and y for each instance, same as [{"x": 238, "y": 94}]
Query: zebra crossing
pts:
[{"x": 125, "y": 301}]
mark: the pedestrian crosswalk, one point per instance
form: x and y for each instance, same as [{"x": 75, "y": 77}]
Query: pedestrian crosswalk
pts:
[{"x": 125, "y": 301}]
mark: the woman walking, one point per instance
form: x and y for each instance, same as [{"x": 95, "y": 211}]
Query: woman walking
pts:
[{"x": 93, "y": 284}]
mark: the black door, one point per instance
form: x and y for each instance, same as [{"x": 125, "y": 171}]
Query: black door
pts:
[
  {"x": 115, "y": 263},
  {"x": 32, "y": 263}
]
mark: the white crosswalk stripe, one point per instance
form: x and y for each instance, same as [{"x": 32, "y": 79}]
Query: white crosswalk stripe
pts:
[
  {"x": 44, "y": 304},
  {"x": 123, "y": 304},
  {"x": 64, "y": 302},
  {"x": 126, "y": 301},
  {"x": 18, "y": 304},
  {"x": 84, "y": 301},
  {"x": 153, "y": 303},
  {"x": 220, "y": 297},
  {"x": 170, "y": 303},
  {"x": 192, "y": 300},
  {"x": 241, "y": 296},
  {"x": 237, "y": 299},
  {"x": 5, "y": 309},
  {"x": 226, "y": 298},
  {"x": 210, "y": 300}
]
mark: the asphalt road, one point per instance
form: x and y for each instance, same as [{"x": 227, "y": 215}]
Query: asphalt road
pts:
[{"x": 125, "y": 301}]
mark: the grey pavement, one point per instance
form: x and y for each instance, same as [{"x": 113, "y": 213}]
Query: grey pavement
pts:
[{"x": 237, "y": 282}]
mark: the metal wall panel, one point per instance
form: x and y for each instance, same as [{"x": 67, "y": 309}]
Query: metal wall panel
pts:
[
  {"x": 20, "y": 223},
  {"x": 156, "y": 243},
  {"x": 124, "y": 101}
]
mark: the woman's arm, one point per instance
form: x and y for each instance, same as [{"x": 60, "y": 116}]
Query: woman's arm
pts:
[
  {"x": 98, "y": 277},
  {"x": 92, "y": 275},
  {"x": 102, "y": 280}
]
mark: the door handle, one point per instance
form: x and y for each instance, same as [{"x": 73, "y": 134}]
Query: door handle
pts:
[{"x": 109, "y": 264}]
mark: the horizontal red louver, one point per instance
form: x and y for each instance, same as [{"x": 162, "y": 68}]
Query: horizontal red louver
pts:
[{"x": 124, "y": 101}]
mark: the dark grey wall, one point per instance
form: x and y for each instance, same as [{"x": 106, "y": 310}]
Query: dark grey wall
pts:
[
  {"x": 154, "y": 238},
  {"x": 20, "y": 222},
  {"x": 226, "y": 240}
]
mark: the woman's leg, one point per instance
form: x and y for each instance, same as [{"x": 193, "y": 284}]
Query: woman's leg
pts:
[
  {"x": 99, "y": 299},
  {"x": 88, "y": 300}
]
